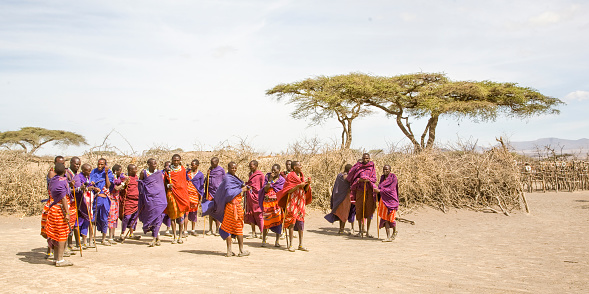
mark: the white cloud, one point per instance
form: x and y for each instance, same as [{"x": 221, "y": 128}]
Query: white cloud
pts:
[{"x": 577, "y": 95}]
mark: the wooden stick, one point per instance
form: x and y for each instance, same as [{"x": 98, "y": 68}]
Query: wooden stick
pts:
[
  {"x": 204, "y": 217},
  {"x": 525, "y": 202},
  {"x": 78, "y": 227},
  {"x": 363, "y": 210}
]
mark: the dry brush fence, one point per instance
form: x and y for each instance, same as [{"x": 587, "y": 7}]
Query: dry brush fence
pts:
[{"x": 440, "y": 179}]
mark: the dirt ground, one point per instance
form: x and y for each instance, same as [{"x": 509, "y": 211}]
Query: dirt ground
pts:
[{"x": 546, "y": 251}]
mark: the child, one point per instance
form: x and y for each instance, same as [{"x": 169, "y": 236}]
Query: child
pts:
[{"x": 58, "y": 226}]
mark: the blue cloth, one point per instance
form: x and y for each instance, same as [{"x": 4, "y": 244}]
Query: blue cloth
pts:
[
  {"x": 152, "y": 201},
  {"x": 101, "y": 210},
  {"x": 198, "y": 181},
  {"x": 228, "y": 189},
  {"x": 98, "y": 177}
]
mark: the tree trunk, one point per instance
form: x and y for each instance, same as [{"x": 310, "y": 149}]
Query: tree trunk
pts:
[
  {"x": 431, "y": 137},
  {"x": 348, "y": 134},
  {"x": 408, "y": 134},
  {"x": 36, "y": 147}
]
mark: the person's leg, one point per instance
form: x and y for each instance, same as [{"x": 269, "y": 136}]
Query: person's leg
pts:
[
  {"x": 301, "y": 240},
  {"x": 59, "y": 249},
  {"x": 290, "y": 237},
  {"x": 217, "y": 224},
  {"x": 174, "y": 231},
  {"x": 277, "y": 241},
  {"x": 229, "y": 251},
  {"x": 181, "y": 226},
  {"x": 368, "y": 227},
  {"x": 342, "y": 225},
  {"x": 387, "y": 228},
  {"x": 210, "y": 231},
  {"x": 253, "y": 235},
  {"x": 264, "y": 235}
]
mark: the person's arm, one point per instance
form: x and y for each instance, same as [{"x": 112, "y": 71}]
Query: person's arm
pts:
[{"x": 106, "y": 179}]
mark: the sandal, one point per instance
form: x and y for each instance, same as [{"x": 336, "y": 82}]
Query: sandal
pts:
[
  {"x": 112, "y": 241},
  {"x": 151, "y": 244},
  {"x": 264, "y": 244},
  {"x": 105, "y": 243},
  {"x": 49, "y": 256},
  {"x": 303, "y": 248},
  {"x": 63, "y": 263},
  {"x": 180, "y": 241},
  {"x": 230, "y": 255},
  {"x": 175, "y": 241},
  {"x": 277, "y": 244},
  {"x": 291, "y": 249},
  {"x": 67, "y": 253},
  {"x": 158, "y": 242},
  {"x": 242, "y": 254},
  {"x": 394, "y": 235}
]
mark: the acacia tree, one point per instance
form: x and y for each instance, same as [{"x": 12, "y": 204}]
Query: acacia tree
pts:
[
  {"x": 323, "y": 97},
  {"x": 32, "y": 138},
  {"x": 433, "y": 95}
]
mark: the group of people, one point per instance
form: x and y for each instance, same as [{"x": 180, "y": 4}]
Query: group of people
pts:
[{"x": 84, "y": 202}]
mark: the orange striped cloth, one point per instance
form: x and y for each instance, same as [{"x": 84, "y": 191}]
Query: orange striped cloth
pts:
[
  {"x": 271, "y": 211},
  {"x": 194, "y": 196},
  {"x": 295, "y": 209},
  {"x": 44, "y": 217},
  {"x": 73, "y": 213},
  {"x": 384, "y": 214},
  {"x": 233, "y": 219},
  {"x": 57, "y": 227}
]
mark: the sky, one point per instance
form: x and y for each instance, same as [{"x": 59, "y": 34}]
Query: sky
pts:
[{"x": 193, "y": 74}]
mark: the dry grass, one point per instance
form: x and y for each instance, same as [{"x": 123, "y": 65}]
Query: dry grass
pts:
[{"x": 441, "y": 179}]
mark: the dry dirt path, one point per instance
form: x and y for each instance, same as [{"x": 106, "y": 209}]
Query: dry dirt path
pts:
[{"x": 546, "y": 251}]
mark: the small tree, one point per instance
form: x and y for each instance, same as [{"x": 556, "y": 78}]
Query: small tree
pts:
[
  {"x": 323, "y": 97},
  {"x": 32, "y": 138}
]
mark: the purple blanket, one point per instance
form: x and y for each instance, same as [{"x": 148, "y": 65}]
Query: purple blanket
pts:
[
  {"x": 361, "y": 171},
  {"x": 152, "y": 199},
  {"x": 389, "y": 191},
  {"x": 215, "y": 179},
  {"x": 227, "y": 190},
  {"x": 198, "y": 181},
  {"x": 341, "y": 190}
]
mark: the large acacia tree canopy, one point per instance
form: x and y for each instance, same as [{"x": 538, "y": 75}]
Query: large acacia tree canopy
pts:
[
  {"x": 412, "y": 96},
  {"x": 32, "y": 138}
]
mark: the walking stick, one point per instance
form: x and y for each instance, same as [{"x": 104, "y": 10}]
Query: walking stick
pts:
[
  {"x": 204, "y": 217},
  {"x": 363, "y": 210},
  {"x": 377, "y": 221},
  {"x": 92, "y": 227},
  {"x": 284, "y": 221},
  {"x": 78, "y": 227}
]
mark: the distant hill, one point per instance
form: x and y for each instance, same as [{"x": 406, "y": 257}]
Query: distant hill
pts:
[{"x": 578, "y": 147}]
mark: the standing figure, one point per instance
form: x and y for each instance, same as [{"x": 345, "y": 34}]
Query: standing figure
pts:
[
  {"x": 152, "y": 200},
  {"x": 129, "y": 201},
  {"x": 341, "y": 203},
  {"x": 272, "y": 214},
  {"x": 115, "y": 191},
  {"x": 177, "y": 195},
  {"x": 253, "y": 211},
  {"x": 101, "y": 178},
  {"x": 83, "y": 197},
  {"x": 70, "y": 174},
  {"x": 196, "y": 180},
  {"x": 293, "y": 198},
  {"x": 215, "y": 176},
  {"x": 228, "y": 209},
  {"x": 362, "y": 178},
  {"x": 58, "y": 226},
  {"x": 388, "y": 193}
]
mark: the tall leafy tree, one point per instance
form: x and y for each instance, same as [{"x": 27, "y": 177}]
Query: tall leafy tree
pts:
[
  {"x": 325, "y": 97},
  {"x": 32, "y": 138}
]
